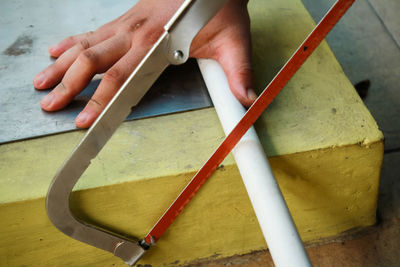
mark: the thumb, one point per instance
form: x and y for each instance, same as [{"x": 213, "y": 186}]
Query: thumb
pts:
[{"x": 236, "y": 63}]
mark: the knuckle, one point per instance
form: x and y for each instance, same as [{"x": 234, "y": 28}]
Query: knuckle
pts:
[
  {"x": 70, "y": 39},
  {"x": 150, "y": 37},
  {"x": 244, "y": 68},
  {"x": 242, "y": 74},
  {"x": 64, "y": 89},
  {"x": 84, "y": 43},
  {"x": 130, "y": 23},
  {"x": 97, "y": 103},
  {"x": 89, "y": 57},
  {"x": 136, "y": 24},
  {"x": 114, "y": 75}
]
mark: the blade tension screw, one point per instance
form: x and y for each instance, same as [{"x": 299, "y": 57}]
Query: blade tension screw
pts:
[{"x": 178, "y": 55}]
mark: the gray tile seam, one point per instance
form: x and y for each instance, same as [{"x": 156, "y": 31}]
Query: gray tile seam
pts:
[{"x": 383, "y": 23}]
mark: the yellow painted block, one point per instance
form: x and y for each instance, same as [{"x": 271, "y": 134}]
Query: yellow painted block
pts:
[
  {"x": 324, "y": 147},
  {"x": 325, "y": 199}
]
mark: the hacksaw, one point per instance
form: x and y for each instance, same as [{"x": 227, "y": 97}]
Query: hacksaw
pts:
[{"x": 171, "y": 48}]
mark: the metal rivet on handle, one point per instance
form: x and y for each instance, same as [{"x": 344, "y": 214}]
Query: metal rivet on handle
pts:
[{"x": 178, "y": 55}]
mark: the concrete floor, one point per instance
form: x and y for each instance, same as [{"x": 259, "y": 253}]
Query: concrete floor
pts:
[{"x": 367, "y": 44}]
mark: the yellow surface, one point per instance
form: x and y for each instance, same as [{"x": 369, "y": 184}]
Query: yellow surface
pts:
[
  {"x": 319, "y": 108},
  {"x": 324, "y": 198},
  {"x": 324, "y": 147}
]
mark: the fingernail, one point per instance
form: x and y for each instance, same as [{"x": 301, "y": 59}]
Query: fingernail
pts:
[
  {"x": 82, "y": 118},
  {"x": 39, "y": 79},
  {"x": 47, "y": 101},
  {"x": 52, "y": 48},
  {"x": 251, "y": 94}
]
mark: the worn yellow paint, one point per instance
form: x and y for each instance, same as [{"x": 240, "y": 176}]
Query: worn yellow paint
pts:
[
  {"x": 319, "y": 108},
  {"x": 325, "y": 199},
  {"x": 324, "y": 147},
  {"x": 143, "y": 149}
]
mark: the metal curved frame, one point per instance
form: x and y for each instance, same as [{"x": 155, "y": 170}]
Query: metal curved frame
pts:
[{"x": 171, "y": 48}]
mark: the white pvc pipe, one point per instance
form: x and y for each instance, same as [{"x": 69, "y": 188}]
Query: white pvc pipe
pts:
[{"x": 270, "y": 208}]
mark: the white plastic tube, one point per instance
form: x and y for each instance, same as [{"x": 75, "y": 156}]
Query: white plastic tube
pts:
[{"x": 270, "y": 208}]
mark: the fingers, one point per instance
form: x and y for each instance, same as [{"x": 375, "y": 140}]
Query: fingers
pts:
[
  {"x": 226, "y": 38},
  {"x": 69, "y": 49},
  {"x": 109, "y": 85},
  {"x": 89, "y": 62},
  {"x": 234, "y": 58},
  {"x": 67, "y": 43}
]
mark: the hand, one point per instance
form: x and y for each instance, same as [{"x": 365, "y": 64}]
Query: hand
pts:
[{"x": 117, "y": 47}]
